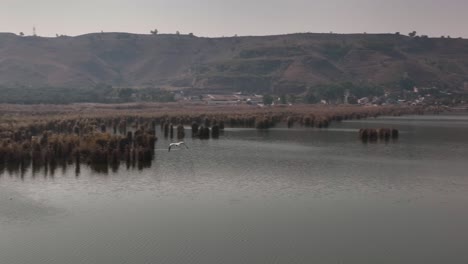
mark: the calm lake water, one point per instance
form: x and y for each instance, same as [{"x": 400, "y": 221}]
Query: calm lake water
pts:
[{"x": 277, "y": 196}]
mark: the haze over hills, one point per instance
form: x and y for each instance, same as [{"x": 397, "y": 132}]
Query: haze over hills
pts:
[{"x": 274, "y": 64}]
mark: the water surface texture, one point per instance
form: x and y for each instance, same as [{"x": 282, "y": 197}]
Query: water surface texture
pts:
[{"x": 278, "y": 196}]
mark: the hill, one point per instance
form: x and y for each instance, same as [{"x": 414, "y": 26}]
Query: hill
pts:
[{"x": 276, "y": 64}]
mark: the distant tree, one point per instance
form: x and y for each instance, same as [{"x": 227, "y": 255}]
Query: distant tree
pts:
[
  {"x": 310, "y": 97},
  {"x": 177, "y": 33},
  {"x": 442, "y": 37},
  {"x": 424, "y": 36},
  {"x": 125, "y": 93},
  {"x": 283, "y": 99},
  {"x": 191, "y": 34},
  {"x": 267, "y": 99},
  {"x": 412, "y": 34},
  {"x": 57, "y": 35},
  {"x": 406, "y": 84},
  {"x": 154, "y": 32},
  {"x": 397, "y": 33},
  {"x": 292, "y": 98},
  {"x": 21, "y": 34}
]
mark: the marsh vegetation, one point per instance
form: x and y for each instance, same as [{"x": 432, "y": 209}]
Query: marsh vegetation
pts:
[{"x": 104, "y": 136}]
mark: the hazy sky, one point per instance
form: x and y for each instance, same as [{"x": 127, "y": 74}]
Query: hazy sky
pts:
[{"x": 242, "y": 17}]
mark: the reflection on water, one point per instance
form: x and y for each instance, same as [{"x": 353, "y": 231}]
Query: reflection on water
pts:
[
  {"x": 48, "y": 168},
  {"x": 276, "y": 196}
]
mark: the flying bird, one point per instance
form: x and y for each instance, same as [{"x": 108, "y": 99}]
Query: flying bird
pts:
[{"x": 176, "y": 145}]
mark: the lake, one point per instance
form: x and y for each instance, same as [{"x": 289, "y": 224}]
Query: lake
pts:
[{"x": 298, "y": 195}]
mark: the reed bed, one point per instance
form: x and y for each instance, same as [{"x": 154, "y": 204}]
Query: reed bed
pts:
[
  {"x": 104, "y": 136},
  {"x": 376, "y": 134},
  {"x": 100, "y": 150}
]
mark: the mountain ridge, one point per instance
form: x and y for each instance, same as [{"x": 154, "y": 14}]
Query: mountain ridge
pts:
[{"x": 277, "y": 64}]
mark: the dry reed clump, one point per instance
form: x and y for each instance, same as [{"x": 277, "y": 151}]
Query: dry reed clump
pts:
[
  {"x": 195, "y": 128},
  {"x": 289, "y": 122},
  {"x": 180, "y": 131},
  {"x": 374, "y": 134},
  {"x": 171, "y": 130},
  {"x": 263, "y": 123},
  {"x": 215, "y": 131},
  {"x": 204, "y": 132},
  {"x": 98, "y": 149},
  {"x": 166, "y": 130},
  {"x": 221, "y": 125},
  {"x": 207, "y": 122}
]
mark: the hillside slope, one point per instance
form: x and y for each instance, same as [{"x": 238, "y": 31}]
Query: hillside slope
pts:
[{"x": 286, "y": 63}]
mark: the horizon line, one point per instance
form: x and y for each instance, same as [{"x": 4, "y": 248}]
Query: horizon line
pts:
[{"x": 232, "y": 36}]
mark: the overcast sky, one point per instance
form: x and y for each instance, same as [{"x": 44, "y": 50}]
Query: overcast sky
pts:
[{"x": 242, "y": 17}]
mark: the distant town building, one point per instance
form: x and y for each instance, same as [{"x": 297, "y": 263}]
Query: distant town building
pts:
[{"x": 364, "y": 100}]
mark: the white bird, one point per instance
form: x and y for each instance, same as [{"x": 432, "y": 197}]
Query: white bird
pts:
[{"x": 176, "y": 145}]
